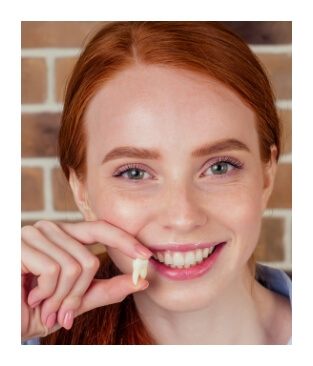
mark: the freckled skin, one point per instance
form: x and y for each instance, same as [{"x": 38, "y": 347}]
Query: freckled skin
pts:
[{"x": 178, "y": 200}]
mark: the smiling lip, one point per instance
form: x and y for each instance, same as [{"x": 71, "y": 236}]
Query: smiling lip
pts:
[
  {"x": 180, "y": 274},
  {"x": 181, "y": 247}
]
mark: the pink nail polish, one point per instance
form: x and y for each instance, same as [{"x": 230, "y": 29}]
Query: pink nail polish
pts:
[
  {"x": 68, "y": 320},
  {"x": 143, "y": 251}
]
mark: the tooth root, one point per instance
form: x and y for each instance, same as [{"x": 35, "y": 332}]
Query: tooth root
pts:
[
  {"x": 135, "y": 276},
  {"x": 140, "y": 267},
  {"x": 143, "y": 272}
]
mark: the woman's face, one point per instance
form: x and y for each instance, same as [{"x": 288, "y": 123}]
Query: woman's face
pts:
[{"x": 177, "y": 197}]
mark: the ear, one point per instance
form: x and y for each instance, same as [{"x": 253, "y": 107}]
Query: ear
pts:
[
  {"x": 80, "y": 196},
  {"x": 269, "y": 174}
]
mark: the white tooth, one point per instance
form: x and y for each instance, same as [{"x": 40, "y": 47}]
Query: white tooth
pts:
[
  {"x": 205, "y": 252},
  {"x": 198, "y": 255},
  {"x": 144, "y": 270},
  {"x": 168, "y": 258},
  {"x": 135, "y": 275},
  {"x": 211, "y": 250},
  {"x": 160, "y": 257},
  {"x": 190, "y": 259},
  {"x": 178, "y": 259},
  {"x": 139, "y": 268}
]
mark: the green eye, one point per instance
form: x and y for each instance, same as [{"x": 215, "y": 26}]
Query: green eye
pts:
[
  {"x": 220, "y": 168},
  {"x": 134, "y": 173}
]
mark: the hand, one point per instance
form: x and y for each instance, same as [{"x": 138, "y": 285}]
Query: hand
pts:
[{"x": 58, "y": 272}]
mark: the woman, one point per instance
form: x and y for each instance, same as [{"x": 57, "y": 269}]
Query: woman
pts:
[{"x": 170, "y": 141}]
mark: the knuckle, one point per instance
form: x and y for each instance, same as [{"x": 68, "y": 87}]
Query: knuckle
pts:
[
  {"x": 73, "y": 270},
  {"x": 53, "y": 269},
  {"x": 91, "y": 264},
  {"x": 71, "y": 302}
]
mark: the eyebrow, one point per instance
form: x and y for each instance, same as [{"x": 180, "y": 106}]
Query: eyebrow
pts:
[{"x": 143, "y": 153}]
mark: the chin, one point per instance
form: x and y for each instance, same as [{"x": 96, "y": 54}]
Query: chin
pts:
[
  {"x": 178, "y": 299},
  {"x": 180, "y": 296}
]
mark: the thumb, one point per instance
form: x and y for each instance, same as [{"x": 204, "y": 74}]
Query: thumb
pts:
[{"x": 109, "y": 291}]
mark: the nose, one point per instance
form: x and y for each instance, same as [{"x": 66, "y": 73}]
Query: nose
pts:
[{"x": 182, "y": 209}]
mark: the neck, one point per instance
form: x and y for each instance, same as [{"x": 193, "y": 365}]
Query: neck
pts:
[{"x": 236, "y": 317}]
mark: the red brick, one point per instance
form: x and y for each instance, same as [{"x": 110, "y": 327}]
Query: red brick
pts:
[
  {"x": 270, "y": 247},
  {"x": 32, "y": 189},
  {"x": 57, "y": 33},
  {"x": 285, "y": 116},
  {"x": 262, "y": 32},
  {"x": 40, "y": 134},
  {"x": 282, "y": 193},
  {"x": 63, "y": 69},
  {"x": 278, "y": 68},
  {"x": 63, "y": 199},
  {"x": 34, "y": 80},
  {"x": 71, "y": 33}
]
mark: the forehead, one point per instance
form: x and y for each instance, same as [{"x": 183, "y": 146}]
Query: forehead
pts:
[{"x": 157, "y": 105}]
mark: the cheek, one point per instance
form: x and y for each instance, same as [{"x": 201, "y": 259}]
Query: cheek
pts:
[
  {"x": 240, "y": 210},
  {"x": 119, "y": 210},
  {"x": 124, "y": 213},
  {"x": 242, "y": 214}
]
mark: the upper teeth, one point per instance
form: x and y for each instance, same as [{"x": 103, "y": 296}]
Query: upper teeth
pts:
[{"x": 183, "y": 259}]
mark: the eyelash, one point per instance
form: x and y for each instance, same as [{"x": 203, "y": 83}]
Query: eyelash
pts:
[{"x": 225, "y": 159}]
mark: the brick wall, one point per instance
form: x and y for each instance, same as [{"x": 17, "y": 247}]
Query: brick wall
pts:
[{"x": 49, "y": 50}]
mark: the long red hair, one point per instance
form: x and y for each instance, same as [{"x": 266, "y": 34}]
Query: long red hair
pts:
[{"x": 206, "y": 48}]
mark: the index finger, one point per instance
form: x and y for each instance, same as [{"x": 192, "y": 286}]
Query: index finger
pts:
[{"x": 100, "y": 231}]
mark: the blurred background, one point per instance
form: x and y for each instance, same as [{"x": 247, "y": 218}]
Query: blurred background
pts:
[{"x": 49, "y": 51}]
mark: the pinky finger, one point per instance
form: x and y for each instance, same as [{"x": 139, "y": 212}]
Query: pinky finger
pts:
[{"x": 41, "y": 265}]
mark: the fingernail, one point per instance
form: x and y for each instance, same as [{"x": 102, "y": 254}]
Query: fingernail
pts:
[
  {"x": 145, "y": 285},
  {"x": 143, "y": 251},
  {"x": 51, "y": 320},
  {"x": 68, "y": 320}
]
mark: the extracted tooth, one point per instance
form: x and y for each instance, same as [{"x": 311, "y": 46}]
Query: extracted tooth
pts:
[
  {"x": 140, "y": 267},
  {"x": 144, "y": 269}
]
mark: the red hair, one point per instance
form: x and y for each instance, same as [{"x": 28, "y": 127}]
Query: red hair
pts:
[{"x": 206, "y": 48}]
